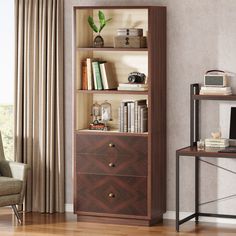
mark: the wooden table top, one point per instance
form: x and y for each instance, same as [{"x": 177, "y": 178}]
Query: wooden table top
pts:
[{"x": 208, "y": 152}]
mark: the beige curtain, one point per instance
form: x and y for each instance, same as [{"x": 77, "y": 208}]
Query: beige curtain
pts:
[{"x": 39, "y": 123}]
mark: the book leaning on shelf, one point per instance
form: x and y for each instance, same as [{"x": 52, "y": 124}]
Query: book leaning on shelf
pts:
[
  {"x": 108, "y": 76},
  {"x": 133, "y": 116},
  {"x": 97, "y": 75}
]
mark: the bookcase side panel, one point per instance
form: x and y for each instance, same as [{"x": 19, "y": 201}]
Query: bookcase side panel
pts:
[{"x": 157, "y": 113}]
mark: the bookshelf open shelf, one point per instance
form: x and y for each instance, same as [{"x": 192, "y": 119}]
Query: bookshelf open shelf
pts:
[
  {"x": 215, "y": 97},
  {"x": 112, "y": 49},
  {"x": 113, "y": 92},
  {"x": 111, "y": 132},
  {"x": 120, "y": 177}
]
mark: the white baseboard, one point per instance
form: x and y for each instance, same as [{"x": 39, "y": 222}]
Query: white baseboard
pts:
[
  {"x": 69, "y": 208},
  {"x": 170, "y": 215}
]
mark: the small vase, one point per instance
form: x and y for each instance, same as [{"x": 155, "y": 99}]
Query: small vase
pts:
[{"x": 98, "y": 41}]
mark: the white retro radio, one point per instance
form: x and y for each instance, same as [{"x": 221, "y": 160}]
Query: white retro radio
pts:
[{"x": 215, "y": 78}]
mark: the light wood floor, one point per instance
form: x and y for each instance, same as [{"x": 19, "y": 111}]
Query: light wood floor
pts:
[{"x": 65, "y": 224}]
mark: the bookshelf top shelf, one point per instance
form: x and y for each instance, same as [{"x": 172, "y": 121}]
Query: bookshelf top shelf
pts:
[
  {"x": 215, "y": 97},
  {"x": 116, "y": 7},
  {"x": 112, "y": 49},
  {"x": 113, "y": 92}
]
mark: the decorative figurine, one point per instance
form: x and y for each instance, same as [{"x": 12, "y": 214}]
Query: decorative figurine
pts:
[
  {"x": 106, "y": 114},
  {"x": 96, "y": 113},
  {"x": 216, "y": 135}
]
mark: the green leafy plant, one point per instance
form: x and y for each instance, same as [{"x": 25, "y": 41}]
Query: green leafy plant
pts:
[{"x": 102, "y": 22}]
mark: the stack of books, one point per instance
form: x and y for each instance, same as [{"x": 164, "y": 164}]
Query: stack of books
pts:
[
  {"x": 133, "y": 86},
  {"x": 97, "y": 75},
  {"x": 205, "y": 90},
  {"x": 216, "y": 142},
  {"x": 133, "y": 116}
]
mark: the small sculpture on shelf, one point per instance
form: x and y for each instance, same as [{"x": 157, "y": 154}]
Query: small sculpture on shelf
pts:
[
  {"x": 96, "y": 113},
  {"x": 101, "y": 116},
  {"x": 106, "y": 114},
  {"x": 216, "y": 135}
]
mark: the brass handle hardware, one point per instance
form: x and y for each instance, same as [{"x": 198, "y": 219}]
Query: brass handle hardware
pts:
[
  {"x": 111, "y": 164},
  {"x": 111, "y": 145},
  {"x": 111, "y": 195}
]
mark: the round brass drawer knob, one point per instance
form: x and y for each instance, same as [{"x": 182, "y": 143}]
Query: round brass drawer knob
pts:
[
  {"x": 111, "y": 164},
  {"x": 111, "y": 195},
  {"x": 111, "y": 145}
]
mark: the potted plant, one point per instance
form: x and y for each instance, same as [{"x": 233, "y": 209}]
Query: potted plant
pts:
[{"x": 98, "y": 40}]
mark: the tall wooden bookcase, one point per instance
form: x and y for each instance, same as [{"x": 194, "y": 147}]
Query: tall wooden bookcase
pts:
[{"x": 120, "y": 177}]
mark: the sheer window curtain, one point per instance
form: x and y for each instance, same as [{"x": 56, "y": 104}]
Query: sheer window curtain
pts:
[{"x": 39, "y": 113}]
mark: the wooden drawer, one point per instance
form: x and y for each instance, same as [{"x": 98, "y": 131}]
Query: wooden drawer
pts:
[
  {"x": 102, "y": 144},
  {"x": 112, "y": 164},
  {"x": 110, "y": 194}
]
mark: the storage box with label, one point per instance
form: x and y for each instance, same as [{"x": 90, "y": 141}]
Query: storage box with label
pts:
[{"x": 130, "y": 42}]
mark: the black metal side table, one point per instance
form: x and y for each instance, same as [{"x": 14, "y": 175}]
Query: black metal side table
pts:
[{"x": 193, "y": 152}]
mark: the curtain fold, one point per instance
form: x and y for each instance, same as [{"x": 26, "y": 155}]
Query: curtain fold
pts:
[{"x": 39, "y": 112}]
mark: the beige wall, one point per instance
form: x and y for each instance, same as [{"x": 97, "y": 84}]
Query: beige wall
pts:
[{"x": 201, "y": 36}]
